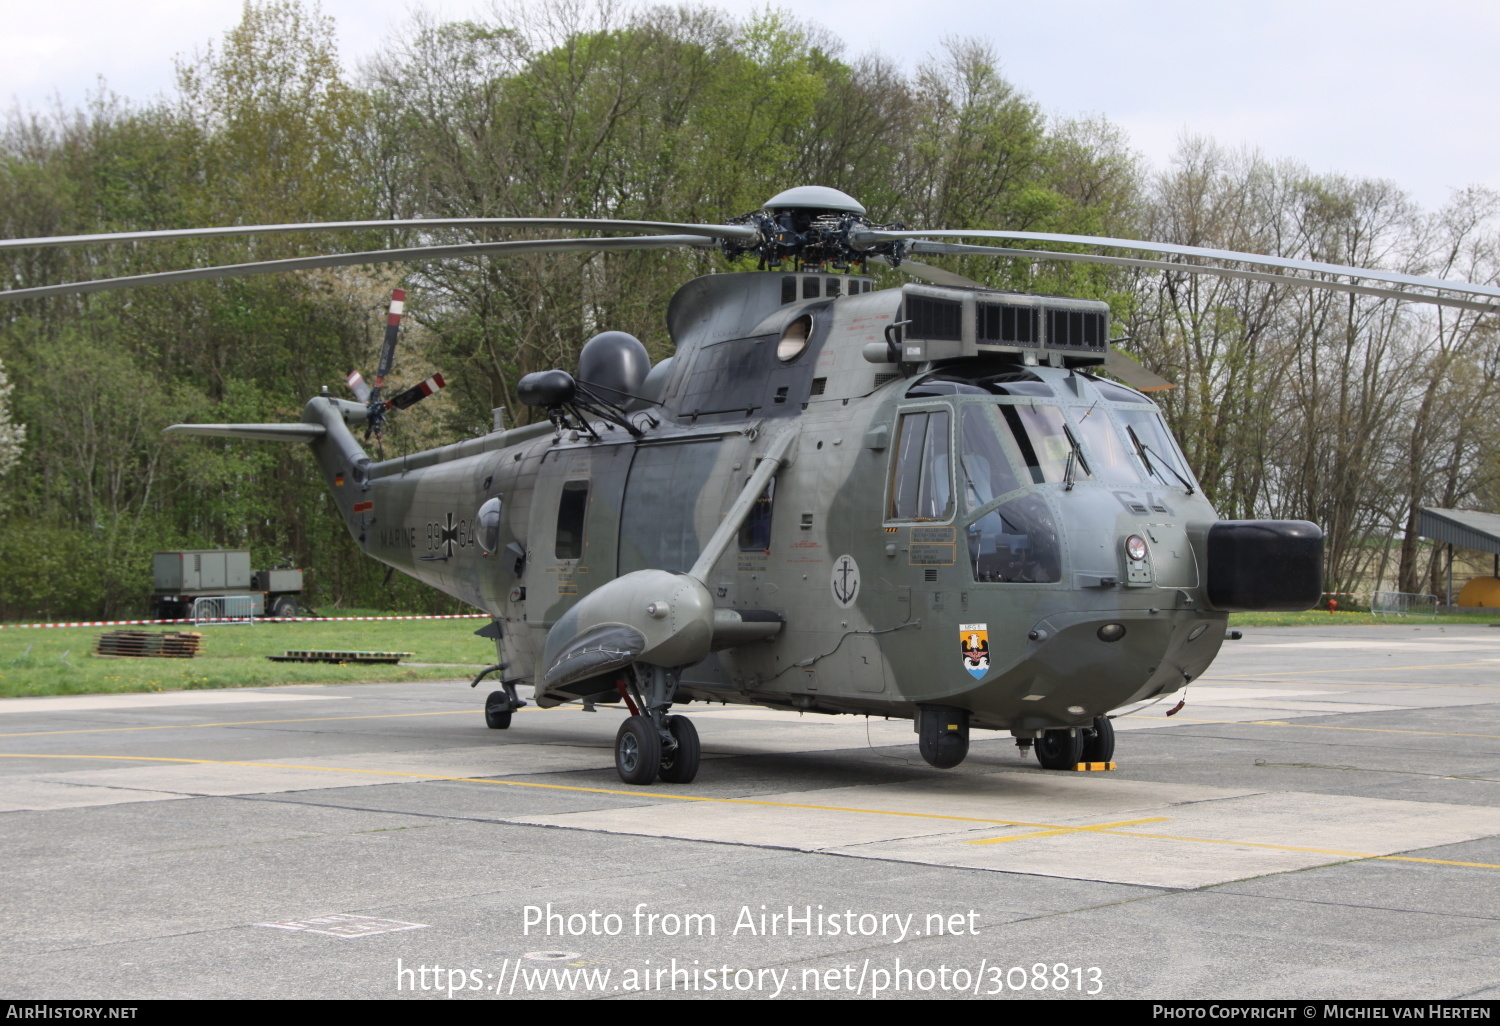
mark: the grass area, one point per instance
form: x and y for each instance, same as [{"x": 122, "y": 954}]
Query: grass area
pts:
[
  {"x": 1323, "y": 618},
  {"x": 60, "y": 660}
]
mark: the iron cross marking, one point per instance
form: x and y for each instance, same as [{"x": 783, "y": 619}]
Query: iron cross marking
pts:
[{"x": 450, "y": 535}]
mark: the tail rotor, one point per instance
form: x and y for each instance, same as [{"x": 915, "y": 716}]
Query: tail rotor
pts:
[{"x": 375, "y": 405}]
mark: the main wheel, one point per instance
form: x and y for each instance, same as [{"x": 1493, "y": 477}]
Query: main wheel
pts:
[
  {"x": 1100, "y": 747},
  {"x": 1059, "y": 749},
  {"x": 497, "y": 710},
  {"x": 681, "y": 766},
  {"x": 637, "y": 750}
]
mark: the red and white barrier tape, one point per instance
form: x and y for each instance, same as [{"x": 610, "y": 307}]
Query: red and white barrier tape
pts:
[{"x": 258, "y": 619}]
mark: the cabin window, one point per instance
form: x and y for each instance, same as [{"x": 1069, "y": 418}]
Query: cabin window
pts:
[
  {"x": 986, "y": 469},
  {"x": 1109, "y": 460},
  {"x": 921, "y": 485},
  {"x": 1042, "y": 436},
  {"x": 755, "y": 533},
  {"x": 1016, "y": 544},
  {"x": 570, "y": 517}
]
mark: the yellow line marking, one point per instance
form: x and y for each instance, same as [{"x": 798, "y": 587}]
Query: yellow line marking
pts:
[
  {"x": 1322, "y": 726},
  {"x": 1068, "y": 830},
  {"x": 528, "y": 783},
  {"x": 1366, "y": 669},
  {"x": 237, "y": 723},
  {"x": 1049, "y": 828},
  {"x": 1316, "y": 851}
]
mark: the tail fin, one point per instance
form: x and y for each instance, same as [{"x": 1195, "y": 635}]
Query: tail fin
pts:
[{"x": 325, "y": 423}]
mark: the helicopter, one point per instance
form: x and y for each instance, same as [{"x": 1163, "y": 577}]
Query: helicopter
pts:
[{"x": 920, "y": 502}]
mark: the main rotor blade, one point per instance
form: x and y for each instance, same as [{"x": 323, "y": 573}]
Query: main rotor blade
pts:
[
  {"x": 379, "y": 256},
  {"x": 712, "y": 231},
  {"x": 867, "y": 238},
  {"x": 936, "y": 275},
  {"x": 960, "y": 249},
  {"x": 1134, "y": 374}
]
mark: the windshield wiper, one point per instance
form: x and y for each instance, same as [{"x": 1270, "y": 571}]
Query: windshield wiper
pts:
[
  {"x": 1075, "y": 458},
  {"x": 1145, "y": 454}
]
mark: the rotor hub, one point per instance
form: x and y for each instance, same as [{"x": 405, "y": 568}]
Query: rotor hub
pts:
[{"x": 811, "y": 226}]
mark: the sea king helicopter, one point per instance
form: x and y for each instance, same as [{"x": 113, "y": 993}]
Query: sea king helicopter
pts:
[{"x": 919, "y": 502}]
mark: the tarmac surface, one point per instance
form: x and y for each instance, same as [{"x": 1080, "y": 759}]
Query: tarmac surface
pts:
[{"x": 1322, "y": 820}]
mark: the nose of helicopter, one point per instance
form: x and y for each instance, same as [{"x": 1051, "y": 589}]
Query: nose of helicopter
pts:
[{"x": 1077, "y": 666}]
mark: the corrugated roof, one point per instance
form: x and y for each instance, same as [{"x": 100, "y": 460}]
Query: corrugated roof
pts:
[{"x": 1465, "y": 528}]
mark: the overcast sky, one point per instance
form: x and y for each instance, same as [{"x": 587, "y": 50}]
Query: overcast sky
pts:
[{"x": 1374, "y": 88}]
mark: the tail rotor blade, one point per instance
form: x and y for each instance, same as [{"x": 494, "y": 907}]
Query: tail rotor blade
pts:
[
  {"x": 418, "y": 392},
  {"x": 392, "y": 329},
  {"x": 358, "y": 387}
]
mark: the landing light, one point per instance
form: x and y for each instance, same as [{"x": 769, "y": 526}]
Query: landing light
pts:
[{"x": 1111, "y": 632}]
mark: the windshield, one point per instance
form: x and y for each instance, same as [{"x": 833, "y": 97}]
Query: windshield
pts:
[
  {"x": 1158, "y": 455},
  {"x": 1109, "y": 460},
  {"x": 1042, "y": 436}
]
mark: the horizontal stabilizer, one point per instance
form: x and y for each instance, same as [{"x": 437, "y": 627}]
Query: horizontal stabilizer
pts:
[{"x": 254, "y": 432}]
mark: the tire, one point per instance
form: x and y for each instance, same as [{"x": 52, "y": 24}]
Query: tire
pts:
[
  {"x": 497, "y": 711},
  {"x": 1100, "y": 747},
  {"x": 1059, "y": 749},
  {"x": 681, "y": 766},
  {"x": 637, "y": 750},
  {"x": 285, "y": 606}
]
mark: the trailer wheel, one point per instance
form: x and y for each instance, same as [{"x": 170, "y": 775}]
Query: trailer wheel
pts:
[{"x": 285, "y": 606}]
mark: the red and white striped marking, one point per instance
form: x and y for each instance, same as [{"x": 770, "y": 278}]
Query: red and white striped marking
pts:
[
  {"x": 417, "y": 392},
  {"x": 258, "y": 619},
  {"x": 358, "y": 387}
]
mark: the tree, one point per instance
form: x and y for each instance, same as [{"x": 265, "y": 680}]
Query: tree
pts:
[{"x": 11, "y": 435}]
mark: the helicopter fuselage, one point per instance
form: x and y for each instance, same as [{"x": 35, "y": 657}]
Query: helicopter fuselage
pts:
[{"x": 955, "y": 525}]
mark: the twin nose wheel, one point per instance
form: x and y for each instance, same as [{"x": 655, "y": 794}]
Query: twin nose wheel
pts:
[
  {"x": 642, "y": 754},
  {"x": 1063, "y": 749}
]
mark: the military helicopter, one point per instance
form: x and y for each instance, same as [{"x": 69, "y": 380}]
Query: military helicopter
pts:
[{"x": 919, "y": 502}]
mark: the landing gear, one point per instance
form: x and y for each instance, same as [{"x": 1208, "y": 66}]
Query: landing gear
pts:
[
  {"x": 680, "y": 765},
  {"x": 499, "y": 706},
  {"x": 1060, "y": 749},
  {"x": 942, "y": 735},
  {"x": 497, "y": 711},
  {"x": 651, "y": 742},
  {"x": 637, "y": 750},
  {"x": 1099, "y": 742}
]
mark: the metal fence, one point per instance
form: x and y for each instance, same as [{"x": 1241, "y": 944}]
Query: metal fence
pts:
[
  {"x": 223, "y": 609},
  {"x": 1403, "y": 603}
]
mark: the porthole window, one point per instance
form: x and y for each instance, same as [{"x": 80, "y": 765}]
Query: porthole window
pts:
[
  {"x": 488, "y": 522},
  {"x": 794, "y": 339}
]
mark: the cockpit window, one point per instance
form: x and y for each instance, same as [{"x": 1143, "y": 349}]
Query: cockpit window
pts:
[
  {"x": 986, "y": 469},
  {"x": 1109, "y": 460},
  {"x": 921, "y": 485},
  {"x": 1152, "y": 447},
  {"x": 1016, "y": 543},
  {"x": 1042, "y": 436}
]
